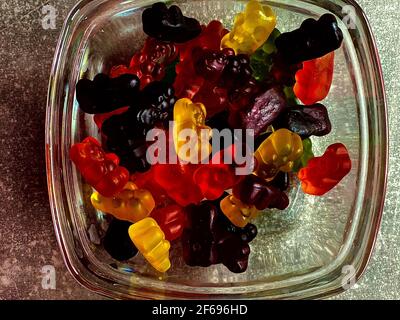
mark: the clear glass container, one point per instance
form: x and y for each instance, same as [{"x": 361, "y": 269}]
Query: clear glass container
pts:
[{"x": 300, "y": 252}]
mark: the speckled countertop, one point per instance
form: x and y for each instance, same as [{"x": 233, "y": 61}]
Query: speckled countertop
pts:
[{"x": 27, "y": 241}]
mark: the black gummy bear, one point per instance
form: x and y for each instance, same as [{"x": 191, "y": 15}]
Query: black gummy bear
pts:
[
  {"x": 117, "y": 241},
  {"x": 200, "y": 237},
  {"x": 169, "y": 24},
  {"x": 281, "y": 181},
  {"x": 306, "y": 121},
  {"x": 105, "y": 94},
  {"x": 126, "y": 132},
  {"x": 314, "y": 39}
]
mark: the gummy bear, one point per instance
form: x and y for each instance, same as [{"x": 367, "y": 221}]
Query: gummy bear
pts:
[
  {"x": 117, "y": 242},
  {"x": 200, "y": 238},
  {"x": 282, "y": 179},
  {"x": 189, "y": 122},
  {"x": 126, "y": 132},
  {"x": 214, "y": 179},
  {"x": 314, "y": 81},
  {"x": 323, "y": 173},
  {"x": 255, "y": 191},
  {"x": 187, "y": 82},
  {"x": 251, "y": 28},
  {"x": 307, "y": 155},
  {"x": 131, "y": 204},
  {"x": 169, "y": 24},
  {"x": 146, "y": 180},
  {"x": 171, "y": 220},
  {"x": 306, "y": 121},
  {"x": 314, "y": 39},
  {"x": 150, "y": 63},
  {"x": 237, "y": 212},
  {"x": 234, "y": 254},
  {"x": 149, "y": 239},
  {"x": 278, "y": 153},
  {"x": 262, "y": 59},
  {"x": 101, "y": 170},
  {"x": 210, "y": 238},
  {"x": 263, "y": 112},
  {"x": 177, "y": 181},
  {"x": 104, "y": 95}
]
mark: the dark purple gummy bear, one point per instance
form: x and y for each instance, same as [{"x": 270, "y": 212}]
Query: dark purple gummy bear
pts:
[
  {"x": 104, "y": 94},
  {"x": 237, "y": 72},
  {"x": 210, "y": 64},
  {"x": 253, "y": 190},
  {"x": 200, "y": 237},
  {"x": 234, "y": 254},
  {"x": 242, "y": 96},
  {"x": 281, "y": 181},
  {"x": 169, "y": 24},
  {"x": 312, "y": 40},
  {"x": 117, "y": 241},
  {"x": 265, "y": 110},
  {"x": 306, "y": 121},
  {"x": 155, "y": 105}
]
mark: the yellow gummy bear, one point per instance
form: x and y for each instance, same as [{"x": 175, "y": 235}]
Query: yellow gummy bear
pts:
[
  {"x": 149, "y": 239},
  {"x": 278, "y": 153},
  {"x": 251, "y": 28},
  {"x": 237, "y": 212},
  {"x": 191, "y": 135},
  {"x": 131, "y": 204}
]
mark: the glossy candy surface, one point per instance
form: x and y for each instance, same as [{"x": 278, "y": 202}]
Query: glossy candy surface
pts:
[
  {"x": 237, "y": 212},
  {"x": 169, "y": 24},
  {"x": 255, "y": 191},
  {"x": 265, "y": 110},
  {"x": 171, "y": 220},
  {"x": 149, "y": 239},
  {"x": 104, "y": 94},
  {"x": 306, "y": 121},
  {"x": 251, "y": 28},
  {"x": 278, "y": 153},
  {"x": 99, "y": 169},
  {"x": 151, "y": 63},
  {"x": 189, "y": 121},
  {"x": 131, "y": 204},
  {"x": 200, "y": 238},
  {"x": 307, "y": 155},
  {"x": 117, "y": 242},
  {"x": 314, "y": 39},
  {"x": 323, "y": 173},
  {"x": 314, "y": 81}
]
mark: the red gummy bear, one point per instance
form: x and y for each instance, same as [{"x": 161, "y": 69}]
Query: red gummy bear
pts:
[
  {"x": 217, "y": 176},
  {"x": 324, "y": 173},
  {"x": 187, "y": 82},
  {"x": 171, "y": 220},
  {"x": 314, "y": 81},
  {"x": 177, "y": 181},
  {"x": 101, "y": 170},
  {"x": 147, "y": 181},
  {"x": 149, "y": 64}
]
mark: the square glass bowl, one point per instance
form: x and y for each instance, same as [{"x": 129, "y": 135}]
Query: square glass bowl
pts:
[{"x": 302, "y": 252}]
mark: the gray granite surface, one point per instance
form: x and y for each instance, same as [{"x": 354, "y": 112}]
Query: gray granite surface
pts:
[{"x": 27, "y": 241}]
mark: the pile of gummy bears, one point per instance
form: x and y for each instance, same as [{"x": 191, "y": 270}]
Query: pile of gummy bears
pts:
[{"x": 207, "y": 77}]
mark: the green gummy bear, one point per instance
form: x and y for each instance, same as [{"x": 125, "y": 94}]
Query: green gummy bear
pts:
[
  {"x": 261, "y": 60},
  {"x": 170, "y": 72},
  {"x": 307, "y": 156},
  {"x": 290, "y": 96}
]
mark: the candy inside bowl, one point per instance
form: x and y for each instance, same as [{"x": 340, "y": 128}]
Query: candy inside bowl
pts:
[{"x": 299, "y": 251}]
